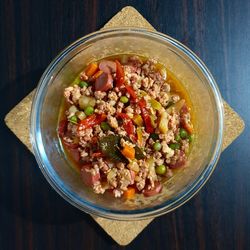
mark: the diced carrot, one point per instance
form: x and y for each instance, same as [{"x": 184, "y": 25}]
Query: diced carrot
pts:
[
  {"x": 129, "y": 193},
  {"x": 128, "y": 152},
  {"x": 97, "y": 74},
  {"x": 91, "y": 69}
]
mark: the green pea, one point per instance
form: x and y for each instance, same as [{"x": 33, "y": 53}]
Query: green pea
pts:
[
  {"x": 73, "y": 119},
  {"x": 83, "y": 84},
  {"x": 89, "y": 110},
  {"x": 183, "y": 133},
  {"x": 178, "y": 138},
  {"x": 174, "y": 146},
  {"x": 191, "y": 137},
  {"x": 157, "y": 146},
  {"x": 161, "y": 169},
  {"x": 154, "y": 136},
  {"x": 124, "y": 99},
  {"x": 105, "y": 126}
]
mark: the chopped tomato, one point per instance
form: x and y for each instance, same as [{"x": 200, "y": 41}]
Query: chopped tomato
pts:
[
  {"x": 91, "y": 121},
  {"x": 120, "y": 76}
]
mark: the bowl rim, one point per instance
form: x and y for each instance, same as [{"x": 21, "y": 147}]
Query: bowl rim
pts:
[{"x": 167, "y": 206}]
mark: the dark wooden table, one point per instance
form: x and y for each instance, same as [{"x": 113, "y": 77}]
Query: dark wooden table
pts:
[{"x": 33, "y": 215}]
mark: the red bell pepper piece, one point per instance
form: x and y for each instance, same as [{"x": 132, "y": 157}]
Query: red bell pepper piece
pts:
[
  {"x": 123, "y": 116},
  {"x": 120, "y": 76},
  {"x": 91, "y": 121},
  {"x": 146, "y": 116},
  {"x": 131, "y": 92},
  {"x": 128, "y": 125},
  {"x": 97, "y": 154}
]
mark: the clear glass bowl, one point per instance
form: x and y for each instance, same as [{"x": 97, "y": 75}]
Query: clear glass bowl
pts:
[{"x": 207, "y": 105}]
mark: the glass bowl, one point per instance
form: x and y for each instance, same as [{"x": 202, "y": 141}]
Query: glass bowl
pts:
[{"x": 208, "y": 113}]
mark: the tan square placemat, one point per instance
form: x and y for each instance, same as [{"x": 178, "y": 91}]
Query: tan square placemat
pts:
[{"x": 122, "y": 232}]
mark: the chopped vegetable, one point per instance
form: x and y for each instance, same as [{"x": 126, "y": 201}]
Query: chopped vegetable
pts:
[
  {"x": 146, "y": 116},
  {"x": 161, "y": 169},
  {"x": 170, "y": 103},
  {"x": 128, "y": 125},
  {"x": 83, "y": 84},
  {"x": 155, "y": 104},
  {"x": 190, "y": 137},
  {"x": 73, "y": 119},
  {"x": 91, "y": 121},
  {"x": 174, "y": 146},
  {"x": 183, "y": 133},
  {"x": 157, "y": 146},
  {"x": 97, "y": 154},
  {"x": 137, "y": 119},
  {"x": 76, "y": 81},
  {"x": 176, "y": 106},
  {"x": 72, "y": 110},
  {"x": 153, "y": 119},
  {"x": 81, "y": 115},
  {"x": 91, "y": 69},
  {"x": 139, "y": 153},
  {"x": 89, "y": 110},
  {"x": 154, "y": 136},
  {"x": 129, "y": 193},
  {"x": 85, "y": 101},
  {"x": 124, "y": 99},
  {"x": 163, "y": 124},
  {"x": 133, "y": 166},
  {"x": 105, "y": 126},
  {"x": 178, "y": 138},
  {"x": 188, "y": 126},
  {"x": 128, "y": 152},
  {"x": 120, "y": 77},
  {"x": 131, "y": 92},
  {"x": 109, "y": 146},
  {"x": 139, "y": 137},
  {"x": 142, "y": 93},
  {"x": 163, "y": 72},
  {"x": 97, "y": 74}
]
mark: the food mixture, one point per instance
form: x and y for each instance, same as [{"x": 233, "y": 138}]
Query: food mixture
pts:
[{"x": 125, "y": 126}]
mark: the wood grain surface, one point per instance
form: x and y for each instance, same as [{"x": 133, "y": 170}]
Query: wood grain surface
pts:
[{"x": 32, "y": 215}]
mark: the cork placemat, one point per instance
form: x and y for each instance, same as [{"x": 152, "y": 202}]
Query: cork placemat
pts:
[{"x": 122, "y": 232}]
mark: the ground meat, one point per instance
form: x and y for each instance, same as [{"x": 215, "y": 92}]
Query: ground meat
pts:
[
  {"x": 99, "y": 95},
  {"x": 149, "y": 83},
  {"x": 112, "y": 121}
]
